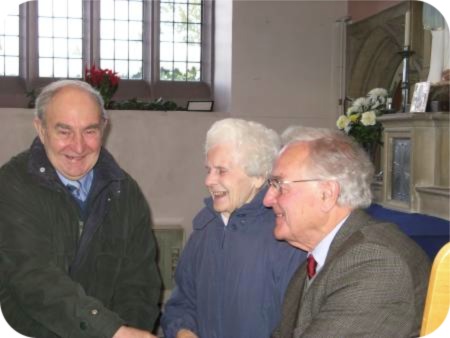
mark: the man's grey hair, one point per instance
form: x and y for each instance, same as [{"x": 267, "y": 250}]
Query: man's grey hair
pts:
[
  {"x": 301, "y": 133},
  {"x": 336, "y": 156},
  {"x": 255, "y": 146},
  {"x": 49, "y": 91}
]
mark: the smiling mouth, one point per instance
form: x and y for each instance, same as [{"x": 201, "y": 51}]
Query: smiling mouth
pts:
[
  {"x": 74, "y": 158},
  {"x": 218, "y": 194},
  {"x": 279, "y": 214}
]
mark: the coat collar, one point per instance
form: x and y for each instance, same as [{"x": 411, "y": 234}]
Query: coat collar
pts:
[{"x": 106, "y": 169}]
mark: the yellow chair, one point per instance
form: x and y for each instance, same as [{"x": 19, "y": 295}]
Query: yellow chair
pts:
[{"x": 437, "y": 303}]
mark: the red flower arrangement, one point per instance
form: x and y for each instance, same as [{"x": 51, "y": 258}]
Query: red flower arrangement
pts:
[{"x": 104, "y": 80}]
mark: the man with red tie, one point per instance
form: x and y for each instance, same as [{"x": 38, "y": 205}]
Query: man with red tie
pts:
[{"x": 362, "y": 277}]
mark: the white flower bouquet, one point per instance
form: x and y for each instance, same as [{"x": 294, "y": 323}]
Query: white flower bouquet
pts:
[{"x": 360, "y": 120}]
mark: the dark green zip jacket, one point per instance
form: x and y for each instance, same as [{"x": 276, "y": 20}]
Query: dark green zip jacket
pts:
[{"x": 64, "y": 275}]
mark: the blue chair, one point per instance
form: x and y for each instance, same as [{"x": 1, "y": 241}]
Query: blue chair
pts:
[{"x": 430, "y": 232}]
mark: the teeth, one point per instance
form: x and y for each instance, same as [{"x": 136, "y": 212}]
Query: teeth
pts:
[{"x": 218, "y": 193}]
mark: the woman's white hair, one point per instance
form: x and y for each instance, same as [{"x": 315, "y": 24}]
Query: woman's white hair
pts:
[
  {"x": 255, "y": 146},
  {"x": 336, "y": 156}
]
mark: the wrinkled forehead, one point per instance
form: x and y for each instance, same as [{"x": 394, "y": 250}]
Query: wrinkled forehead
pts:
[{"x": 74, "y": 99}]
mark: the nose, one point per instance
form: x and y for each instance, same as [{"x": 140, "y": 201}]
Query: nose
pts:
[
  {"x": 210, "y": 178},
  {"x": 270, "y": 197},
  {"x": 78, "y": 143}
]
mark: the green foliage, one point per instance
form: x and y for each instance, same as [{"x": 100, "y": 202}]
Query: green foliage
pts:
[
  {"x": 135, "y": 104},
  {"x": 367, "y": 136}
]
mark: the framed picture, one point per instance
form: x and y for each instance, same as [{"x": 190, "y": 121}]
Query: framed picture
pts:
[
  {"x": 200, "y": 105},
  {"x": 420, "y": 97}
]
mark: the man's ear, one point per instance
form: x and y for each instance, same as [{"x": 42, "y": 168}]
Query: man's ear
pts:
[
  {"x": 329, "y": 191},
  {"x": 40, "y": 128}
]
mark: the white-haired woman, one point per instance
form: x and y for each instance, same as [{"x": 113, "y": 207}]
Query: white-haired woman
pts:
[{"x": 232, "y": 273}]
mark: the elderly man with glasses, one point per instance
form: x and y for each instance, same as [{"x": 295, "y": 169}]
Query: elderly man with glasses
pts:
[{"x": 362, "y": 277}]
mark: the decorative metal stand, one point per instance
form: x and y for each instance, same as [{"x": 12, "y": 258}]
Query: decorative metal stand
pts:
[{"x": 405, "y": 53}]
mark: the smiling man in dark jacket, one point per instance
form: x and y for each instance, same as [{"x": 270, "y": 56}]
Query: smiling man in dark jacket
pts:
[{"x": 77, "y": 254}]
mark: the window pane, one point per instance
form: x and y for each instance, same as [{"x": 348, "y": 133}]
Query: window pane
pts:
[
  {"x": 121, "y": 30},
  {"x": 121, "y": 10},
  {"x": 180, "y": 40},
  {"x": 60, "y": 68},
  {"x": 166, "y": 71},
  {"x": 107, "y": 29},
  {"x": 180, "y": 32},
  {"x": 193, "y": 73},
  {"x": 180, "y": 51},
  {"x": 45, "y": 47},
  {"x": 75, "y": 48},
  {"x": 166, "y": 12},
  {"x": 107, "y": 64},
  {"x": 12, "y": 46},
  {"x": 2, "y": 65},
  {"x": 181, "y": 13},
  {"x": 166, "y": 32},
  {"x": 45, "y": 67},
  {"x": 60, "y": 28},
  {"x": 107, "y": 49},
  {"x": 135, "y": 32},
  {"x": 179, "y": 72},
  {"x": 122, "y": 68},
  {"x": 75, "y": 28},
  {"x": 60, "y": 8},
  {"x": 135, "y": 50},
  {"x": 194, "y": 52},
  {"x": 75, "y": 68},
  {"x": 194, "y": 33},
  {"x": 60, "y": 48},
  {"x": 74, "y": 10},
  {"x": 120, "y": 38},
  {"x": 121, "y": 50},
  {"x": 60, "y": 37},
  {"x": 45, "y": 27},
  {"x": 45, "y": 8},
  {"x": 195, "y": 13},
  {"x": 107, "y": 9},
  {"x": 11, "y": 66},
  {"x": 11, "y": 25},
  {"x": 136, "y": 10},
  {"x": 166, "y": 51},
  {"x": 135, "y": 70}
]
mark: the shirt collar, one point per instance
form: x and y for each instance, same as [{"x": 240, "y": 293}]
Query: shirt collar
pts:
[
  {"x": 320, "y": 252},
  {"x": 84, "y": 183}
]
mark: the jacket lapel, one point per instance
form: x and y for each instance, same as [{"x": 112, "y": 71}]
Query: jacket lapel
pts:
[{"x": 308, "y": 304}]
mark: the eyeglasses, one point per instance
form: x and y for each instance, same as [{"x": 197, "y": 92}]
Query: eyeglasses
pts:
[{"x": 277, "y": 183}]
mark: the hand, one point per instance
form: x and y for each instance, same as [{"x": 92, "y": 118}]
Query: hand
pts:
[
  {"x": 129, "y": 332},
  {"x": 183, "y": 333}
]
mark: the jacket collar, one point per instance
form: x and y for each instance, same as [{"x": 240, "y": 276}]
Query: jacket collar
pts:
[
  {"x": 106, "y": 169},
  {"x": 355, "y": 222}
]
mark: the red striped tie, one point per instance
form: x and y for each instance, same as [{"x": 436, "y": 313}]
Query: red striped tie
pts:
[{"x": 311, "y": 266}]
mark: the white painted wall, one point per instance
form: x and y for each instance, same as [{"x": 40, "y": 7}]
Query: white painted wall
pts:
[{"x": 284, "y": 60}]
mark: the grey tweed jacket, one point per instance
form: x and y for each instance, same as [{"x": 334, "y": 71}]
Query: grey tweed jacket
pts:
[{"x": 373, "y": 284}]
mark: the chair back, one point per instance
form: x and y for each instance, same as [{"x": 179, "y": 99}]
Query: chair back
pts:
[{"x": 437, "y": 303}]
